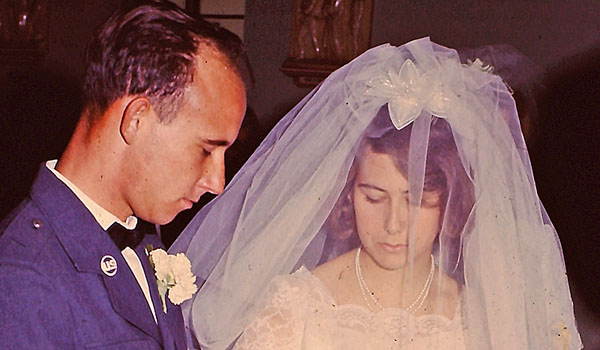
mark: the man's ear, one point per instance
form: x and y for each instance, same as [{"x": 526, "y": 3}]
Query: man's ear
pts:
[{"x": 133, "y": 115}]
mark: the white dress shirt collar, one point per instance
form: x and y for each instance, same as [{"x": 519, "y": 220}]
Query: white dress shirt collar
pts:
[{"x": 102, "y": 216}]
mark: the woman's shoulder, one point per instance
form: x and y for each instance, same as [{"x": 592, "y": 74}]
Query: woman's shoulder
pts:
[
  {"x": 335, "y": 267},
  {"x": 301, "y": 286},
  {"x": 300, "y": 279},
  {"x": 336, "y": 275}
]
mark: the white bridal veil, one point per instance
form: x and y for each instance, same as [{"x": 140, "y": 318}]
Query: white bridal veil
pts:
[{"x": 459, "y": 130}]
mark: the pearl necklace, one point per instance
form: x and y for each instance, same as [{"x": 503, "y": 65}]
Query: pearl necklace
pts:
[{"x": 414, "y": 306}]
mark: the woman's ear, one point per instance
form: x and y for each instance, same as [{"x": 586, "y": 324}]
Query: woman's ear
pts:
[
  {"x": 133, "y": 115},
  {"x": 350, "y": 197}
]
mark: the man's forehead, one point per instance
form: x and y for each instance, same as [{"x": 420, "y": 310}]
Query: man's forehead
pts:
[
  {"x": 213, "y": 84},
  {"x": 209, "y": 56}
]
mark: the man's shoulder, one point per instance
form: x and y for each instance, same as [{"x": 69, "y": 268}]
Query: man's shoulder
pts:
[
  {"x": 26, "y": 237},
  {"x": 32, "y": 301}
]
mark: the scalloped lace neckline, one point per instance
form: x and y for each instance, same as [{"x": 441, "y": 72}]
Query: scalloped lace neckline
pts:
[{"x": 441, "y": 320}]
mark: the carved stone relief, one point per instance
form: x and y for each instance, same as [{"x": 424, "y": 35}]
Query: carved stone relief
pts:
[{"x": 325, "y": 35}]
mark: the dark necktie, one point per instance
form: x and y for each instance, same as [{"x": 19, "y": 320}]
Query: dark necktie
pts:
[{"x": 124, "y": 237}]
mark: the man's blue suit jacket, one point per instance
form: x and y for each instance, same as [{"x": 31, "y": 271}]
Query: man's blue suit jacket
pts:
[{"x": 53, "y": 293}]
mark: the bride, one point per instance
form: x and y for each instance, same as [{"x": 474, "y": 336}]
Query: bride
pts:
[
  {"x": 367, "y": 298},
  {"x": 393, "y": 208}
]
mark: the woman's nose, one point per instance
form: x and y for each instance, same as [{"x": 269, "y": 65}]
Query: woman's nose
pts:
[{"x": 397, "y": 218}]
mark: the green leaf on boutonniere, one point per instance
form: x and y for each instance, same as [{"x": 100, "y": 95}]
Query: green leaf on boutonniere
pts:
[{"x": 149, "y": 249}]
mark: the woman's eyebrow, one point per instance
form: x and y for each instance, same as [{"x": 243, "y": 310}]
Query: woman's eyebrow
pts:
[{"x": 371, "y": 187}]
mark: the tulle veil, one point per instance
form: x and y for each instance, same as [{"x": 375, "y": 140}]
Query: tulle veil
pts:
[{"x": 272, "y": 218}]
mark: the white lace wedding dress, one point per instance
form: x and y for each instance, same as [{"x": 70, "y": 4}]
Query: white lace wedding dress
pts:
[{"x": 302, "y": 314}]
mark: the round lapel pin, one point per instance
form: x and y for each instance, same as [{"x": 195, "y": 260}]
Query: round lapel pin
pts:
[{"x": 108, "y": 265}]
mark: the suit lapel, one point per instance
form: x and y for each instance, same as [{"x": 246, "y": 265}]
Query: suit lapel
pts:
[
  {"x": 128, "y": 299},
  {"x": 171, "y": 323},
  {"x": 175, "y": 321}
]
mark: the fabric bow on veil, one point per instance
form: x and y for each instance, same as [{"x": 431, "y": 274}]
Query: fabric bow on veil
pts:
[{"x": 411, "y": 91}]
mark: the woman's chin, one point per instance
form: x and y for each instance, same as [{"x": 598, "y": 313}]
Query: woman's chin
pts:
[{"x": 390, "y": 262}]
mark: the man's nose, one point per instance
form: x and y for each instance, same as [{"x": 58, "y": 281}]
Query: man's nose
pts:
[{"x": 213, "y": 179}]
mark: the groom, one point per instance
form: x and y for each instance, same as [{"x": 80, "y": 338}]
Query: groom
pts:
[{"x": 164, "y": 97}]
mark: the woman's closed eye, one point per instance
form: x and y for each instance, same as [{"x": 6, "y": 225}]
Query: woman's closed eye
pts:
[
  {"x": 374, "y": 199},
  {"x": 372, "y": 194}
]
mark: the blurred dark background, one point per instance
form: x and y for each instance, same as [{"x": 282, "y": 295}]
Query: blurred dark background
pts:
[{"x": 39, "y": 100}]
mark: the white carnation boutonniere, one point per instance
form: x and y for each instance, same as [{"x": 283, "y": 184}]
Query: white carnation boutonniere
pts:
[{"x": 173, "y": 276}]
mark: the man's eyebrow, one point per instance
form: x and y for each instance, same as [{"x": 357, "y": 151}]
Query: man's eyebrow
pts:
[{"x": 218, "y": 142}]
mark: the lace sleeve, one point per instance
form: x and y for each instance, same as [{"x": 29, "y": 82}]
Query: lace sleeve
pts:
[{"x": 280, "y": 324}]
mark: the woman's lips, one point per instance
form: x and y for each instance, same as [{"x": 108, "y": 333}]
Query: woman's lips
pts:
[{"x": 392, "y": 248}]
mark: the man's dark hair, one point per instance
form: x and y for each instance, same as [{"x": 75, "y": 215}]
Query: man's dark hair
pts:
[{"x": 151, "y": 50}]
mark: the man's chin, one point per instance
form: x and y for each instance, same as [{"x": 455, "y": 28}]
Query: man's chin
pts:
[
  {"x": 160, "y": 218},
  {"x": 168, "y": 219}
]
